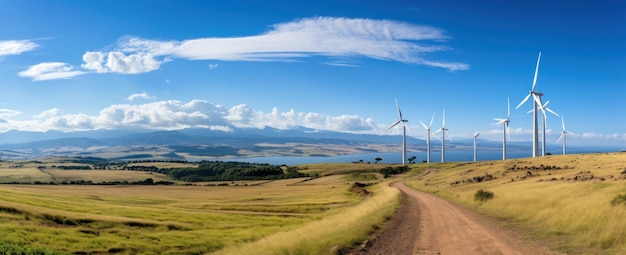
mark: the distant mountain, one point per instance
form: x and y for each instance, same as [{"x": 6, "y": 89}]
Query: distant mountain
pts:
[{"x": 208, "y": 143}]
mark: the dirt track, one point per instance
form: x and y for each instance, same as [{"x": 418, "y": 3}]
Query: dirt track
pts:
[{"x": 426, "y": 224}]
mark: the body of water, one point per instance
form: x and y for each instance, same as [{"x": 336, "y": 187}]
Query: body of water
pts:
[{"x": 395, "y": 157}]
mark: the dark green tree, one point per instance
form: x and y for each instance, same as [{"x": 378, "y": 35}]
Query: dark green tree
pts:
[
  {"x": 412, "y": 159},
  {"x": 376, "y": 160}
]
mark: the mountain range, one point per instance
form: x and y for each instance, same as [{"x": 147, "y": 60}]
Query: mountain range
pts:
[{"x": 203, "y": 143}]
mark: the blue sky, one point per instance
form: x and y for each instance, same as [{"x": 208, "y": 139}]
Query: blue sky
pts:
[{"x": 327, "y": 65}]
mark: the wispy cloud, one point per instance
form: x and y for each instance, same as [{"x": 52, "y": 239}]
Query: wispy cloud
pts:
[
  {"x": 330, "y": 37},
  {"x": 16, "y": 47},
  {"x": 142, "y": 95},
  {"x": 50, "y": 71}
]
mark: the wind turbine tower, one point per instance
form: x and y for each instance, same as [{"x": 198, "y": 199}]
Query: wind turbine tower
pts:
[
  {"x": 475, "y": 136},
  {"x": 545, "y": 108},
  {"x": 536, "y": 103},
  {"x": 443, "y": 137},
  {"x": 505, "y": 128},
  {"x": 428, "y": 137},
  {"x": 563, "y": 134},
  {"x": 404, "y": 128}
]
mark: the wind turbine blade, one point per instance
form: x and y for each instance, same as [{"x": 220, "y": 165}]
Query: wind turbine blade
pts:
[
  {"x": 435, "y": 135},
  {"x": 536, "y": 70},
  {"x": 477, "y": 134},
  {"x": 395, "y": 124},
  {"x": 499, "y": 121},
  {"x": 431, "y": 121},
  {"x": 538, "y": 101},
  {"x": 399, "y": 112},
  {"x": 523, "y": 101},
  {"x": 407, "y": 127},
  {"x": 560, "y": 137},
  {"x": 563, "y": 122},
  {"x": 551, "y": 111},
  {"x": 424, "y": 125}
]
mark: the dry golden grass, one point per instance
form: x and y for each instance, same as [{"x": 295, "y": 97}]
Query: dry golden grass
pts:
[{"x": 569, "y": 204}]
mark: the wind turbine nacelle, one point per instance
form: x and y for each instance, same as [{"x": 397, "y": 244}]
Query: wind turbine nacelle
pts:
[{"x": 538, "y": 93}]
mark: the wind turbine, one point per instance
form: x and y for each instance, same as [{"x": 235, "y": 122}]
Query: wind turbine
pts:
[
  {"x": 404, "y": 128},
  {"x": 544, "y": 108},
  {"x": 428, "y": 137},
  {"x": 505, "y": 127},
  {"x": 443, "y": 137},
  {"x": 536, "y": 103},
  {"x": 563, "y": 134},
  {"x": 475, "y": 136}
]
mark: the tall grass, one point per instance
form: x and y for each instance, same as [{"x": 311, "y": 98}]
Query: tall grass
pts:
[
  {"x": 166, "y": 219},
  {"x": 351, "y": 225},
  {"x": 572, "y": 215}
]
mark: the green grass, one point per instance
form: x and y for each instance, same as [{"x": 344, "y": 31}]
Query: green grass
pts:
[{"x": 178, "y": 219}]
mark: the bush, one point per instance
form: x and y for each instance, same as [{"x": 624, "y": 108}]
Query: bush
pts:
[
  {"x": 483, "y": 195},
  {"x": 619, "y": 199}
]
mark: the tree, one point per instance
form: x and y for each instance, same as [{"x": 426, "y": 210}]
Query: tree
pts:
[
  {"x": 412, "y": 159},
  {"x": 376, "y": 160}
]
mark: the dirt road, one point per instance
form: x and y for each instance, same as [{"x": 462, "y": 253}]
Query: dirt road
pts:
[{"x": 426, "y": 224}]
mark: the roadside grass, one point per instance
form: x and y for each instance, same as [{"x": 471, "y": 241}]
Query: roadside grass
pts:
[
  {"x": 181, "y": 219},
  {"x": 568, "y": 206},
  {"x": 350, "y": 225}
]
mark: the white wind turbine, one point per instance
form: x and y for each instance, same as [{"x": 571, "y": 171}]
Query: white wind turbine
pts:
[
  {"x": 563, "y": 134},
  {"x": 404, "y": 128},
  {"x": 536, "y": 103},
  {"x": 428, "y": 137},
  {"x": 443, "y": 137},
  {"x": 544, "y": 108},
  {"x": 505, "y": 123},
  {"x": 475, "y": 136}
]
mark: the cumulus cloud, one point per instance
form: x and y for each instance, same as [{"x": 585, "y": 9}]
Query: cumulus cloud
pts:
[
  {"x": 172, "y": 115},
  {"x": 50, "y": 71},
  {"x": 142, "y": 95},
  {"x": 16, "y": 47}
]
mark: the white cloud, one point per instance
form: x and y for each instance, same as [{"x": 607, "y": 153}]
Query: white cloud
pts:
[
  {"x": 142, "y": 95},
  {"x": 16, "y": 47},
  {"x": 290, "y": 41},
  {"x": 172, "y": 115},
  {"x": 50, "y": 71},
  {"x": 326, "y": 36},
  {"x": 119, "y": 62},
  {"x": 7, "y": 114}
]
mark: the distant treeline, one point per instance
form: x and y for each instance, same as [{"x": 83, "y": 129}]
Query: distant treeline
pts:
[
  {"x": 204, "y": 171},
  {"x": 230, "y": 171}
]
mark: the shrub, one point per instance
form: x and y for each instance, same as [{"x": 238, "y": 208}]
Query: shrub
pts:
[
  {"x": 483, "y": 195},
  {"x": 619, "y": 199}
]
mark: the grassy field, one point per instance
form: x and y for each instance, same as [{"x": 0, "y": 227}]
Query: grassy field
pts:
[
  {"x": 564, "y": 200},
  {"x": 573, "y": 203},
  {"x": 308, "y": 216}
]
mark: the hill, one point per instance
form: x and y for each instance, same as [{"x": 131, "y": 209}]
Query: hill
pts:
[{"x": 576, "y": 203}]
